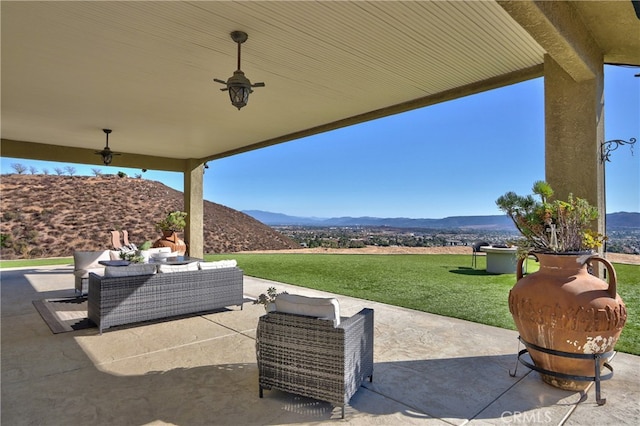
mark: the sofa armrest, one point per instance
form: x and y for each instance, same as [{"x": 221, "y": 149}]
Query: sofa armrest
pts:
[{"x": 358, "y": 349}]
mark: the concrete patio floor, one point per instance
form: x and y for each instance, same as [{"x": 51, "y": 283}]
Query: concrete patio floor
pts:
[{"x": 202, "y": 370}]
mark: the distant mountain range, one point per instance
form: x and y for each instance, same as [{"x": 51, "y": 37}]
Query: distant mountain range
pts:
[{"x": 621, "y": 220}]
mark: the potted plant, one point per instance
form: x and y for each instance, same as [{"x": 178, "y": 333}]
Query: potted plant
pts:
[
  {"x": 144, "y": 251},
  {"x": 551, "y": 226},
  {"x": 133, "y": 256},
  {"x": 173, "y": 223},
  {"x": 138, "y": 254},
  {"x": 562, "y": 310},
  {"x": 268, "y": 299}
]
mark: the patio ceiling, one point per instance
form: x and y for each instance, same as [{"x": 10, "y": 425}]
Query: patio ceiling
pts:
[{"x": 145, "y": 69}]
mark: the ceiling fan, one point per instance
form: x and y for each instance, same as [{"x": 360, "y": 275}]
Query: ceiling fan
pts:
[
  {"x": 106, "y": 153},
  {"x": 238, "y": 85}
]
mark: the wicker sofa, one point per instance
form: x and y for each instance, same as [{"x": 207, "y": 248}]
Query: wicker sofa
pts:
[
  {"x": 118, "y": 300},
  {"x": 313, "y": 356}
]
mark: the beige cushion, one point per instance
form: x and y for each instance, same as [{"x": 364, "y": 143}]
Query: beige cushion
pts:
[
  {"x": 114, "y": 255},
  {"x": 319, "y": 307},
  {"x": 89, "y": 259},
  {"x": 164, "y": 268},
  {"x": 231, "y": 263},
  {"x": 130, "y": 271}
]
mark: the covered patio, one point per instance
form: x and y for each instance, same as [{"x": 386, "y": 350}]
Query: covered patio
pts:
[
  {"x": 201, "y": 370},
  {"x": 145, "y": 70}
]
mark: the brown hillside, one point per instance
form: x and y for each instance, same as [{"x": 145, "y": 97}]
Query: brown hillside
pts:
[{"x": 51, "y": 216}]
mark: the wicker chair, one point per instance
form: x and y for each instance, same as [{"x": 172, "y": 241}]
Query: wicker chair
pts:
[
  {"x": 310, "y": 357},
  {"x": 85, "y": 262}
]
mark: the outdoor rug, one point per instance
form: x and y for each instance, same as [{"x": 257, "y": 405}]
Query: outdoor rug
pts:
[{"x": 63, "y": 315}]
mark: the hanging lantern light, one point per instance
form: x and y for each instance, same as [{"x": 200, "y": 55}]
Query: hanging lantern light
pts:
[
  {"x": 238, "y": 85},
  {"x": 106, "y": 153}
]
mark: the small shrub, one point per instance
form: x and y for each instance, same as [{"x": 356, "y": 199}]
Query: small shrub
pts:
[
  {"x": 10, "y": 215},
  {"x": 22, "y": 249},
  {"x": 47, "y": 214},
  {"x": 31, "y": 235},
  {"x": 36, "y": 252},
  {"x": 5, "y": 240}
]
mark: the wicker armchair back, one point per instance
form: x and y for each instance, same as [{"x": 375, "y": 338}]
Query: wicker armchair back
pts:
[{"x": 310, "y": 357}]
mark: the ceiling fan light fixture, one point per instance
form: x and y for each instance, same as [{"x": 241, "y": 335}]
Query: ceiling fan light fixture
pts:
[
  {"x": 106, "y": 153},
  {"x": 238, "y": 85},
  {"x": 239, "y": 89},
  {"x": 107, "y": 156}
]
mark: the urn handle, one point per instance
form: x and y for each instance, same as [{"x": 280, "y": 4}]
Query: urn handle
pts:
[
  {"x": 611, "y": 275},
  {"x": 519, "y": 273}
]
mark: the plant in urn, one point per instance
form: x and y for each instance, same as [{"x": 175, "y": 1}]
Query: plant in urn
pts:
[
  {"x": 562, "y": 309},
  {"x": 170, "y": 226}
]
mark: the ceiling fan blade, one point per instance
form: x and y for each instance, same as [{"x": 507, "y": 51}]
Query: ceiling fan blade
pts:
[
  {"x": 217, "y": 80},
  {"x": 103, "y": 152},
  {"x": 257, "y": 85}
]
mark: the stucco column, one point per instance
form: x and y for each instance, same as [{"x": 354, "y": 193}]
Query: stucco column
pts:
[
  {"x": 194, "y": 206},
  {"x": 574, "y": 132}
]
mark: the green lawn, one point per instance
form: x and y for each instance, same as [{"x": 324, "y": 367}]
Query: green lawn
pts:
[
  {"x": 440, "y": 284},
  {"x": 36, "y": 262}
]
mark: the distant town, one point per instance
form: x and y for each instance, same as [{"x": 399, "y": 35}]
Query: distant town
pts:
[
  {"x": 627, "y": 241},
  {"x": 623, "y": 231}
]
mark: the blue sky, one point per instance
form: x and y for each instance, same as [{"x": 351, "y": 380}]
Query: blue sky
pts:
[{"x": 450, "y": 159}]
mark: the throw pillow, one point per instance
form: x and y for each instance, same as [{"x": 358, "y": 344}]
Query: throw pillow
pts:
[
  {"x": 164, "y": 268},
  {"x": 231, "y": 263},
  {"x": 320, "y": 307}
]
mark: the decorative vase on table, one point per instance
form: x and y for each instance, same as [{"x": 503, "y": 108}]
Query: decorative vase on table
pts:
[
  {"x": 169, "y": 226},
  {"x": 564, "y": 308},
  {"x": 170, "y": 239}
]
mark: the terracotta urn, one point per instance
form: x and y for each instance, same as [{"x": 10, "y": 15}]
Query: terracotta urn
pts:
[
  {"x": 171, "y": 239},
  {"x": 564, "y": 308}
]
